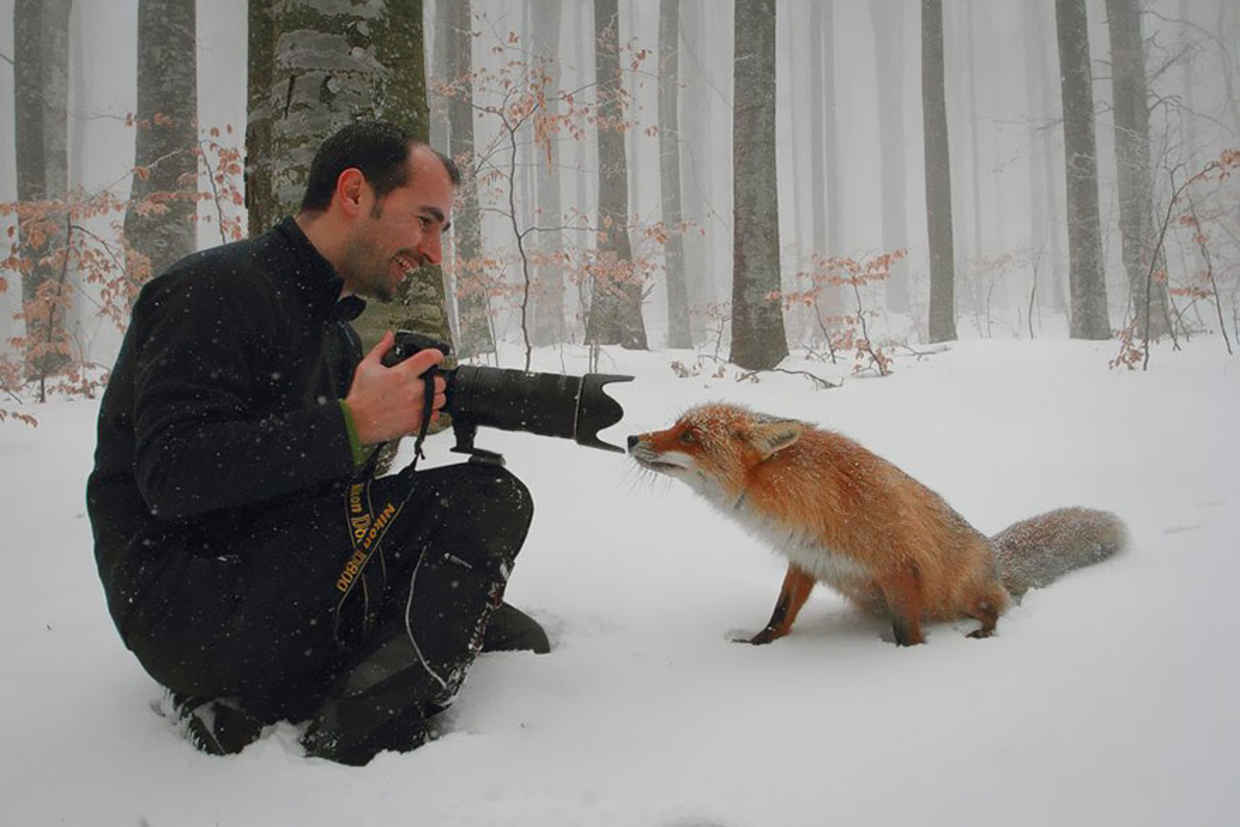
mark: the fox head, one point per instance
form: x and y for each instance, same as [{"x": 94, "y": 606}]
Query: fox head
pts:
[{"x": 711, "y": 447}]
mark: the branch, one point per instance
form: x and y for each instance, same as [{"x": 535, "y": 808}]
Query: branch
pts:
[{"x": 818, "y": 380}]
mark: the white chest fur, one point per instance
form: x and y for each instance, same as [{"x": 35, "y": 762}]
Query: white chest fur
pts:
[{"x": 794, "y": 542}]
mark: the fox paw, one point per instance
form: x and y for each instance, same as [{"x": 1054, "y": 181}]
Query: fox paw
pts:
[{"x": 765, "y": 636}]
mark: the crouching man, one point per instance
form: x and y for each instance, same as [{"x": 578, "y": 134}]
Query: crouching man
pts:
[{"x": 230, "y": 501}]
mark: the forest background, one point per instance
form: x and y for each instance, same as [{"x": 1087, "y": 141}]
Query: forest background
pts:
[{"x": 897, "y": 175}]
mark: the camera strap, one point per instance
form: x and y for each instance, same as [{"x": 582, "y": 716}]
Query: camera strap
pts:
[{"x": 368, "y": 525}]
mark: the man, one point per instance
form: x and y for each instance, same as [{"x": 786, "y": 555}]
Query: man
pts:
[{"x": 235, "y": 524}]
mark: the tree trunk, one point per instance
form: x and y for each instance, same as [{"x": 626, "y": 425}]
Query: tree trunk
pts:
[
  {"x": 261, "y": 207},
  {"x": 475, "y": 330},
  {"x": 438, "y": 72},
  {"x": 615, "y": 311},
  {"x": 166, "y": 134},
  {"x": 1132, "y": 164},
  {"x": 549, "y": 326},
  {"x": 334, "y": 62},
  {"x": 819, "y": 99},
  {"x": 1050, "y": 220},
  {"x": 833, "y": 182},
  {"x": 758, "y": 340},
  {"x": 41, "y": 93},
  {"x": 669, "y": 174},
  {"x": 969, "y": 10},
  {"x": 695, "y": 157},
  {"x": 887, "y": 17},
  {"x": 942, "y": 313},
  {"x": 1086, "y": 281}
]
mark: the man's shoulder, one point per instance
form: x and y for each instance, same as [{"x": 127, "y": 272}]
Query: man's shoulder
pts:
[{"x": 237, "y": 270}]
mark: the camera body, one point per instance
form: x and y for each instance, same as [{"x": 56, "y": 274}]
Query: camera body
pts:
[{"x": 548, "y": 404}]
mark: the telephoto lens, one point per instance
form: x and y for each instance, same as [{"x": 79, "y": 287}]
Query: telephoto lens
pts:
[{"x": 547, "y": 404}]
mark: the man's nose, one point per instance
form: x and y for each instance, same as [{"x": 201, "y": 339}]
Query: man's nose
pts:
[{"x": 431, "y": 248}]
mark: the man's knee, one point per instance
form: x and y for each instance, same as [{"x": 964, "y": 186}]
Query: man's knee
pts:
[{"x": 487, "y": 498}]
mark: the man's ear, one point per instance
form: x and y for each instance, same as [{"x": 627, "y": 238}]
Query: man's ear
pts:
[
  {"x": 770, "y": 437},
  {"x": 351, "y": 191}
]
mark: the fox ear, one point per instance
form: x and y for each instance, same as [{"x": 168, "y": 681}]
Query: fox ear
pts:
[{"x": 770, "y": 437}]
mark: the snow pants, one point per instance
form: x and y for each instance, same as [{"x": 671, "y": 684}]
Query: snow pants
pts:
[{"x": 273, "y": 625}]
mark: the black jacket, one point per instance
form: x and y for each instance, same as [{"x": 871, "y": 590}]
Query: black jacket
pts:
[{"x": 224, "y": 400}]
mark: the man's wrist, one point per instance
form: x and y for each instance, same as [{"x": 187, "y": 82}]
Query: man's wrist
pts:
[{"x": 360, "y": 451}]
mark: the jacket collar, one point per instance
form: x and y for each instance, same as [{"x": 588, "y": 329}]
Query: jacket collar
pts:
[{"x": 314, "y": 277}]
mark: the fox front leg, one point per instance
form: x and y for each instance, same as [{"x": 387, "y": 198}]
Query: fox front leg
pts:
[{"x": 792, "y": 596}]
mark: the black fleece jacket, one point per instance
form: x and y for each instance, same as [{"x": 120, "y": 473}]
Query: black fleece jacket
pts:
[{"x": 224, "y": 400}]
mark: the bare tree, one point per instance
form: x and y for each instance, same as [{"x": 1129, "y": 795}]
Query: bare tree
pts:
[
  {"x": 887, "y": 18},
  {"x": 942, "y": 315},
  {"x": 1086, "y": 281},
  {"x": 474, "y": 330},
  {"x": 41, "y": 92},
  {"x": 1047, "y": 223},
  {"x": 669, "y": 173},
  {"x": 549, "y": 326},
  {"x": 1132, "y": 162},
  {"x": 697, "y": 180},
  {"x": 615, "y": 312},
  {"x": 758, "y": 340},
  {"x": 166, "y": 134}
]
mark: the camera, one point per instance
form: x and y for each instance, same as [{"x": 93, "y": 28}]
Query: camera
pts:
[{"x": 548, "y": 404}]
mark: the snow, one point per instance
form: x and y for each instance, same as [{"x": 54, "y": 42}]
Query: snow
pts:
[{"x": 1106, "y": 698}]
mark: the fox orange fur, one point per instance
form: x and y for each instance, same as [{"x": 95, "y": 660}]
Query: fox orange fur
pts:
[{"x": 844, "y": 516}]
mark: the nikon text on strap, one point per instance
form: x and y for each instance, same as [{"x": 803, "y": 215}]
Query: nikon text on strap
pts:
[{"x": 368, "y": 526}]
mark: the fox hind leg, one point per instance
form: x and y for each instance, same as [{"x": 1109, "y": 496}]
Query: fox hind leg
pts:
[
  {"x": 987, "y": 609},
  {"x": 792, "y": 596},
  {"x": 903, "y": 593}
]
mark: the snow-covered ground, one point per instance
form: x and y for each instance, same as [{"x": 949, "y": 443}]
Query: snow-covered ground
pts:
[{"x": 1109, "y": 698}]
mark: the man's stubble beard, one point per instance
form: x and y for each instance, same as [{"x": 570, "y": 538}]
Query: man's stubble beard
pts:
[{"x": 366, "y": 272}]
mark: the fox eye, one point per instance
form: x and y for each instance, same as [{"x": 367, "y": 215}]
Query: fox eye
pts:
[{"x": 688, "y": 438}]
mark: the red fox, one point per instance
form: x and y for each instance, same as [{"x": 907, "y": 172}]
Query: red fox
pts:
[{"x": 847, "y": 517}]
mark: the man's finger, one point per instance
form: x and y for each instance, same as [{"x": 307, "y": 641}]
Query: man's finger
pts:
[
  {"x": 384, "y": 345},
  {"x": 418, "y": 363}
]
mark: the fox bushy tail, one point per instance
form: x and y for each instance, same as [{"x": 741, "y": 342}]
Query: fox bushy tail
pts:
[{"x": 1034, "y": 552}]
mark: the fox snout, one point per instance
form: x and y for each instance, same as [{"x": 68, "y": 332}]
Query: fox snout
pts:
[{"x": 633, "y": 440}]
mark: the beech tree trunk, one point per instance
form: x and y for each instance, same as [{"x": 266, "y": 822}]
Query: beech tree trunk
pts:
[
  {"x": 758, "y": 340},
  {"x": 942, "y": 313},
  {"x": 41, "y": 94},
  {"x": 328, "y": 63},
  {"x": 669, "y": 174},
  {"x": 887, "y": 17},
  {"x": 615, "y": 311},
  {"x": 1049, "y": 222},
  {"x": 1086, "y": 281},
  {"x": 1132, "y": 165},
  {"x": 474, "y": 328},
  {"x": 549, "y": 326},
  {"x": 166, "y": 134},
  {"x": 695, "y": 158}
]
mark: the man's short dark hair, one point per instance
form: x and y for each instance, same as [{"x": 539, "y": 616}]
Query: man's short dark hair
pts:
[{"x": 379, "y": 149}]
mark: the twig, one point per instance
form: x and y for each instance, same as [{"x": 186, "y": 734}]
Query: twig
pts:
[{"x": 818, "y": 380}]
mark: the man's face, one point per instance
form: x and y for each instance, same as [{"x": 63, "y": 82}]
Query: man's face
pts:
[{"x": 400, "y": 231}]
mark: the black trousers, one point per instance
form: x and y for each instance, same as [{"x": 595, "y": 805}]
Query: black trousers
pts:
[{"x": 261, "y": 617}]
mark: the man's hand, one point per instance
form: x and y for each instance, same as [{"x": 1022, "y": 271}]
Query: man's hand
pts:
[{"x": 387, "y": 402}]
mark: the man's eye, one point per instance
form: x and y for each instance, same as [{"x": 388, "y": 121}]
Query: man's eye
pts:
[{"x": 424, "y": 222}]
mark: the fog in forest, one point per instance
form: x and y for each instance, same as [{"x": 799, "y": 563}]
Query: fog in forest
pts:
[{"x": 849, "y": 158}]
